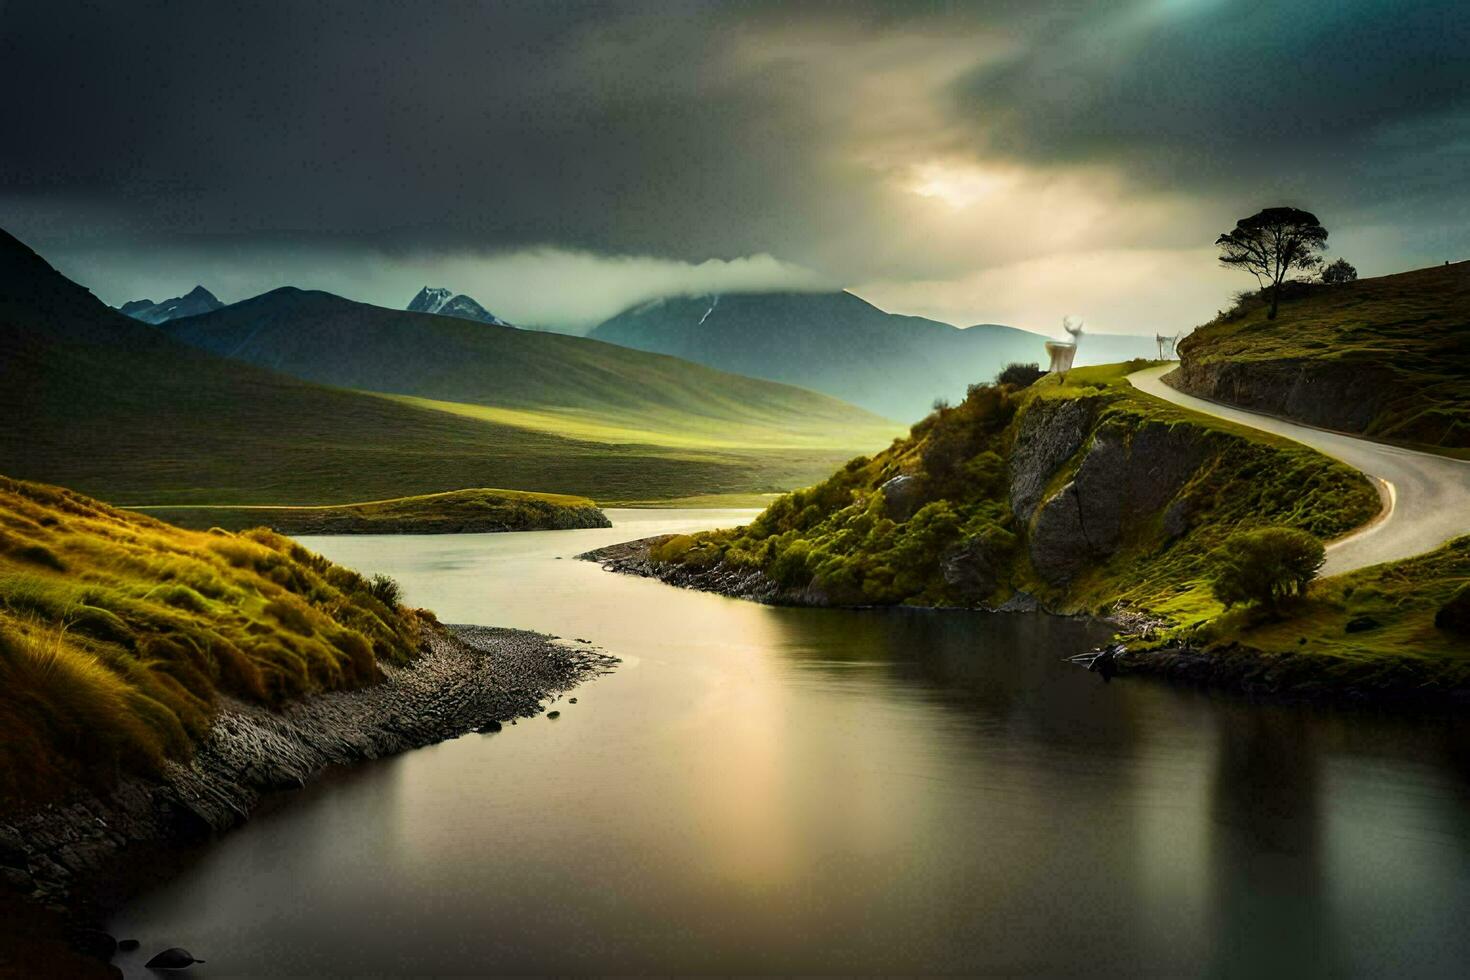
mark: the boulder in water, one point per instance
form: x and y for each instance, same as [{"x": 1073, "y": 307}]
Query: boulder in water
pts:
[{"x": 172, "y": 958}]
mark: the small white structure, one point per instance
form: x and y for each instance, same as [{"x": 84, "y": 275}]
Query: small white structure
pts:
[
  {"x": 1062, "y": 353},
  {"x": 1166, "y": 346}
]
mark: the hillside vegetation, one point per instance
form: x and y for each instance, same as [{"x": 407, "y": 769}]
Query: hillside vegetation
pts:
[
  {"x": 1085, "y": 493},
  {"x": 838, "y": 343},
  {"x": 456, "y": 512},
  {"x": 1385, "y": 614},
  {"x": 119, "y": 635},
  {"x": 115, "y": 408},
  {"x": 1387, "y": 357}
]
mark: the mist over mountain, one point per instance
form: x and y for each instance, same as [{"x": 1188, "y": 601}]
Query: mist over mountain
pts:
[
  {"x": 840, "y": 344},
  {"x": 445, "y": 302},
  {"x": 195, "y": 301}
]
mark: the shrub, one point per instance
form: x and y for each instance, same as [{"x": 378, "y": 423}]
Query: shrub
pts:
[
  {"x": 1454, "y": 616},
  {"x": 1266, "y": 566},
  {"x": 385, "y": 590},
  {"x": 1338, "y": 271},
  {"x": 1020, "y": 375}
]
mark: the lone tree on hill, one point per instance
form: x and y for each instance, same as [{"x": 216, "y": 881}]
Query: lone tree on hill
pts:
[
  {"x": 1339, "y": 270},
  {"x": 1270, "y": 244}
]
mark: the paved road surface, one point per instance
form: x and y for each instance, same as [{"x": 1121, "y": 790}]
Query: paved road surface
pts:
[{"x": 1428, "y": 496}]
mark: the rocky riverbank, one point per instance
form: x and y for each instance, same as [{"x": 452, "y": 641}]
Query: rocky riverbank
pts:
[
  {"x": 469, "y": 678},
  {"x": 1306, "y": 677},
  {"x": 634, "y": 558}
]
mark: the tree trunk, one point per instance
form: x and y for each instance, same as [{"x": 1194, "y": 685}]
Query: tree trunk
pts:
[{"x": 1275, "y": 298}]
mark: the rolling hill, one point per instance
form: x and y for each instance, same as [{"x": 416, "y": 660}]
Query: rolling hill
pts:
[
  {"x": 548, "y": 382},
  {"x": 115, "y": 408},
  {"x": 842, "y": 345},
  {"x": 1387, "y": 357}
]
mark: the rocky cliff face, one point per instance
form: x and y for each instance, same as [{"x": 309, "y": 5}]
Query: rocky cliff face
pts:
[
  {"x": 1126, "y": 477},
  {"x": 1332, "y": 394}
]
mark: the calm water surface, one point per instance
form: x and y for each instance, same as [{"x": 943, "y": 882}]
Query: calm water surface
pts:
[{"x": 762, "y": 790}]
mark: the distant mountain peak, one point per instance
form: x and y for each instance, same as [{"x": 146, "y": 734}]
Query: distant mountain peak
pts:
[
  {"x": 445, "y": 302},
  {"x": 195, "y": 301},
  {"x": 430, "y": 299}
]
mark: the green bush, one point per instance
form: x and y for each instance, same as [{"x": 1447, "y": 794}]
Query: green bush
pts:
[
  {"x": 1265, "y": 566},
  {"x": 385, "y": 590}
]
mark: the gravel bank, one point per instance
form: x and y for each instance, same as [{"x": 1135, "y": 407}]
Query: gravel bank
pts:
[{"x": 470, "y": 678}]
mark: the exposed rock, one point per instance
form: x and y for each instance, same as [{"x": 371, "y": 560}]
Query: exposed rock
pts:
[
  {"x": 900, "y": 497},
  {"x": 172, "y": 958},
  {"x": 1318, "y": 391},
  {"x": 1126, "y": 477},
  {"x": 974, "y": 568},
  {"x": 1057, "y": 543},
  {"x": 1361, "y": 624},
  {"x": 1049, "y": 434}
]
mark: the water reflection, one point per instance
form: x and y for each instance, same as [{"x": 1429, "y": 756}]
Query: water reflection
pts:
[{"x": 793, "y": 790}]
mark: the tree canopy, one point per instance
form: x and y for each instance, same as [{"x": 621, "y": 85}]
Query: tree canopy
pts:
[
  {"x": 1270, "y": 244},
  {"x": 1340, "y": 270}
]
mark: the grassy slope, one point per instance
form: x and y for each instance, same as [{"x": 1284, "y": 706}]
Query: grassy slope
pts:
[
  {"x": 836, "y": 535},
  {"x": 110, "y": 406},
  {"x": 1400, "y": 597},
  {"x": 1411, "y": 331},
  {"x": 453, "y": 512},
  {"x": 552, "y": 382},
  {"x": 118, "y": 635}
]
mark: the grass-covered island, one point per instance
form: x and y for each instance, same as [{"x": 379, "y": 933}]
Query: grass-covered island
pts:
[
  {"x": 456, "y": 512},
  {"x": 1083, "y": 495},
  {"x": 156, "y": 681}
]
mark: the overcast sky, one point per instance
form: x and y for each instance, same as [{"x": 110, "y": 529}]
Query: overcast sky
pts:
[{"x": 981, "y": 162}]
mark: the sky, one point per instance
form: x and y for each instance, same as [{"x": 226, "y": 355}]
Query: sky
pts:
[{"x": 973, "y": 162}]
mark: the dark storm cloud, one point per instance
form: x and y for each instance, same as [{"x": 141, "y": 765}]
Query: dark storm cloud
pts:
[
  {"x": 1310, "y": 97},
  {"x": 583, "y": 125},
  {"x": 854, "y": 140}
]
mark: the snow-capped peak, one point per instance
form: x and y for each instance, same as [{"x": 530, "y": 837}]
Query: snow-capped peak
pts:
[{"x": 430, "y": 299}]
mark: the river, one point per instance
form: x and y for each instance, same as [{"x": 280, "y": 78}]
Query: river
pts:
[{"x": 800, "y": 791}]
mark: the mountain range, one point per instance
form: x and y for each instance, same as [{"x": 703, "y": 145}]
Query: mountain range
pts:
[
  {"x": 844, "y": 346},
  {"x": 447, "y": 303},
  {"x": 196, "y": 300},
  {"x": 119, "y": 409},
  {"x": 554, "y": 382}
]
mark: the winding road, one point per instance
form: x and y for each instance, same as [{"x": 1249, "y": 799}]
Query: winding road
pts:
[{"x": 1426, "y": 497}]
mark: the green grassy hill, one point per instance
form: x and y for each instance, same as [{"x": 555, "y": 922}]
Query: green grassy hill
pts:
[
  {"x": 119, "y": 634},
  {"x": 455, "y": 512},
  {"x": 1388, "y": 357},
  {"x": 526, "y": 378},
  {"x": 1085, "y": 493},
  {"x": 115, "y": 408}
]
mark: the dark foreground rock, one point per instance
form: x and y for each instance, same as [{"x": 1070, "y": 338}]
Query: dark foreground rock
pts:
[
  {"x": 469, "y": 678},
  {"x": 1379, "y": 682}
]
